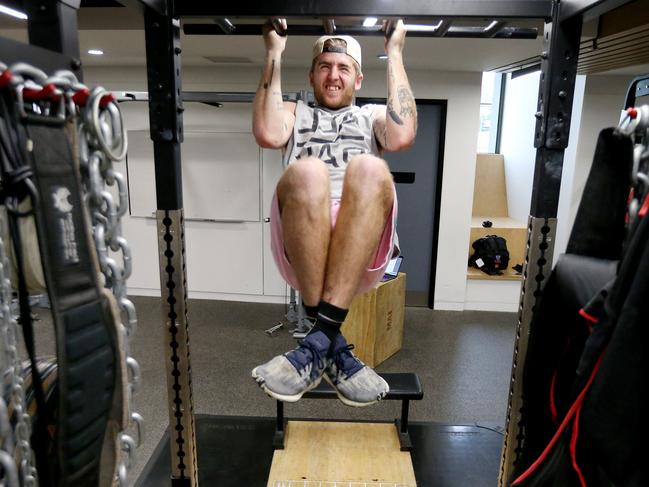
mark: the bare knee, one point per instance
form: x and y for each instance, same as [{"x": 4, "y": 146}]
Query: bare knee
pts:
[
  {"x": 369, "y": 174},
  {"x": 305, "y": 182}
]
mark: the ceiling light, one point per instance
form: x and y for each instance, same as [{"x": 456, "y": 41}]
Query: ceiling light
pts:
[
  {"x": 95, "y": 52},
  {"x": 13, "y": 13},
  {"x": 492, "y": 25},
  {"x": 370, "y": 22},
  {"x": 422, "y": 28},
  {"x": 382, "y": 57}
]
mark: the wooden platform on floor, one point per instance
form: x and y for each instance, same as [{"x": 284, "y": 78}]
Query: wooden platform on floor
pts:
[
  {"x": 346, "y": 453},
  {"x": 237, "y": 451}
]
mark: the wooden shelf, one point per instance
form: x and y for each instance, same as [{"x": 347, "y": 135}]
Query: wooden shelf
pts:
[
  {"x": 497, "y": 221},
  {"x": 490, "y": 203},
  {"x": 508, "y": 275}
]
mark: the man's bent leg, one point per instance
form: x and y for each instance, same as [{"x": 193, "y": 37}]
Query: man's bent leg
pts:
[
  {"x": 303, "y": 193},
  {"x": 368, "y": 195}
]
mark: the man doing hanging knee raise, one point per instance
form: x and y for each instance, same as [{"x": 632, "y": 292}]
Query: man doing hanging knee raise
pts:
[{"x": 333, "y": 217}]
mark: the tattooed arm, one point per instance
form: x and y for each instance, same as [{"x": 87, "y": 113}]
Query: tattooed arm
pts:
[
  {"x": 395, "y": 126},
  {"x": 272, "y": 118}
]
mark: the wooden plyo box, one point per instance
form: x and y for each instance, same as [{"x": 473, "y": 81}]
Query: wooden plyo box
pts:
[{"x": 375, "y": 321}]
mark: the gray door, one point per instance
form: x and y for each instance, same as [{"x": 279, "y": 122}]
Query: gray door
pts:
[{"x": 419, "y": 200}]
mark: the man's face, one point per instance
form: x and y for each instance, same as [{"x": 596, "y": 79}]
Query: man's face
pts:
[{"x": 334, "y": 80}]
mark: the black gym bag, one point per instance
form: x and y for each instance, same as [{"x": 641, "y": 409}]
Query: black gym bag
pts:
[{"x": 490, "y": 255}]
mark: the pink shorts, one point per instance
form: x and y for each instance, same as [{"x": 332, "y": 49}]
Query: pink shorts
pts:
[{"x": 375, "y": 271}]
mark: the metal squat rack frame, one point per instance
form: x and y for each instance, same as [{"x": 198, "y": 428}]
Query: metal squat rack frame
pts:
[
  {"x": 53, "y": 27},
  {"x": 563, "y": 23}
]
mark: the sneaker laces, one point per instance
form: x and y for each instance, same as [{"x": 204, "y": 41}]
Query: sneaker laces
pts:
[
  {"x": 345, "y": 361},
  {"x": 300, "y": 358}
]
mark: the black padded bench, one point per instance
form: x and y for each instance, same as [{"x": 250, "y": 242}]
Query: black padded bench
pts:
[{"x": 403, "y": 387}]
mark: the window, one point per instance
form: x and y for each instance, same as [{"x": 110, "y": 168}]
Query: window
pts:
[{"x": 490, "y": 96}]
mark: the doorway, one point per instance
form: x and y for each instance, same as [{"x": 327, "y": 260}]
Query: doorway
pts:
[{"x": 418, "y": 177}]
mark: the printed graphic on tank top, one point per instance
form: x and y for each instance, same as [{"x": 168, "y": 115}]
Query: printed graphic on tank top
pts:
[{"x": 333, "y": 136}]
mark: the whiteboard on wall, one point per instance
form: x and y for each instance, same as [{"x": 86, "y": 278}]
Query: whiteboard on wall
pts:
[{"x": 221, "y": 175}]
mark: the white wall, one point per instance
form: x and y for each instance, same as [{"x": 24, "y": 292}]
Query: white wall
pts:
[
  {"x": 460, "y": 89},
  {"x": 517, "y": 142},
  {"x": 602, "y": 104},
  {"x": 517, "y": 147},
  {"x": 568, "y": 172},
  {"x": 596, "y": 105},
  {"x": 602, "y": 100}
]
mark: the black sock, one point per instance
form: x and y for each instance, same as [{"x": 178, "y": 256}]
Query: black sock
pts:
[
  {"x": 311, "y": 311},
  {"x": 330, "y": 319}
]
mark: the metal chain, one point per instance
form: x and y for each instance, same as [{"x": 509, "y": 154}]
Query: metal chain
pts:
[
  {"x": 101, "y": 141},
  {"x": 635, "y": 124},
  {"x": 21, "y": 451}
]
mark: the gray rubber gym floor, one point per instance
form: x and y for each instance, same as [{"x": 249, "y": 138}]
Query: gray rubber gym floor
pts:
[{"x": 462, "y": 358}]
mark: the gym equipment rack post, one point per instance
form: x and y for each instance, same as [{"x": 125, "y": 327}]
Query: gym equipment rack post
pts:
[{"x": 53, "y": 38}]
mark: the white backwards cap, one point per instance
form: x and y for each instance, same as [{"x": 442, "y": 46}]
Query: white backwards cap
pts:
[{"x": 352, "y": 47}]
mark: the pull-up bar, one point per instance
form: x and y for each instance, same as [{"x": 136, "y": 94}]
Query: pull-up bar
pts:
[
  {"x": 440, "y": 28},
  {"x": 410, "y": 9},
  {"x": 213, "y": 97}
]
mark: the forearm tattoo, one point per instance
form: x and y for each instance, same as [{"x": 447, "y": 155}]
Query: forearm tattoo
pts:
[
  {"x": 406, "y": 101},
  {"x": 390, "y": 105},
  {"x": 270, "y": 79},
  {"x": 393, "y": 114}
]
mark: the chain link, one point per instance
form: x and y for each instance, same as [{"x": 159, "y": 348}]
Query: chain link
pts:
[
  {"x": 18, "y": 452},
  {"x": 21, "y": 450},
  {"x": 102, "y": 141},
  {"x": 101, "y": 138}
]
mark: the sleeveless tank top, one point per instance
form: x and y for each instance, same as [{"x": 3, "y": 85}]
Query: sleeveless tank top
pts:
[{"x": 333, "y": 136}]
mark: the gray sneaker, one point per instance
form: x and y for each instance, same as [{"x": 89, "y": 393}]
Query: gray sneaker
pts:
[
  {"x": 356, "y": 383},
  {"x": 288, "y": 376}
]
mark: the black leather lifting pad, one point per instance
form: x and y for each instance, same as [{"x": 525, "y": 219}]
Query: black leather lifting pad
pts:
[
  {"x": 236, "y": 451},
  {"x": 82, "y": 319}
]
